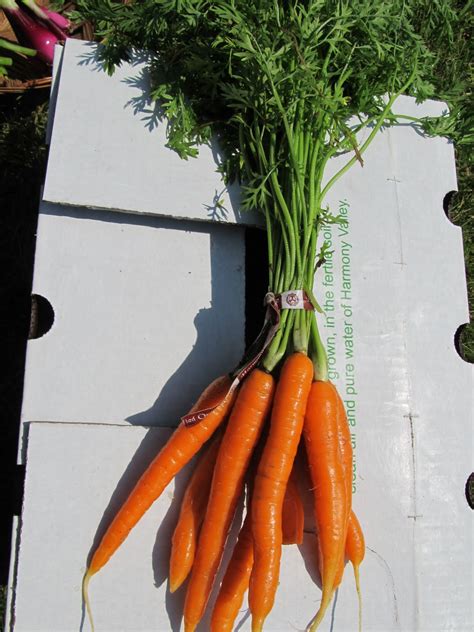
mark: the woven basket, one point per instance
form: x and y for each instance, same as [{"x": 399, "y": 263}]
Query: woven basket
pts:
[{"x": 30, "y": 73}]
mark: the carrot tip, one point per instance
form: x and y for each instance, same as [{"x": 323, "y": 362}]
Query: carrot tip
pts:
[
  {"x": 359, "y": 594},
  {"x": 321, "y": 612},
  {"x": 189, "y": 627},
  {"x": 173, "y": 585},
  {"x": 257, "y": 624},
  {"x": 85, "y": 596}
]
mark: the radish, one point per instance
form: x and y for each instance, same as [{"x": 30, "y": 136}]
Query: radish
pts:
[{"x": 31, "y": 32}]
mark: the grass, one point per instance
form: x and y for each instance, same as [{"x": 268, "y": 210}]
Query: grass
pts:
[
  {"x": 3, "y": 604},
  {"x": 461, "y": 213},
  {"x": 455, "y": 78}
]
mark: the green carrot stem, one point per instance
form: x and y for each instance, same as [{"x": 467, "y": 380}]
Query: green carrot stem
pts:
[
  {"x": 371, "y": 136},
  {"x": 318, "y": 353},
  {"x": 311, "y": 259},
  {"x": 286, "y": 218},
  {"x": 287, "y": 127},
  {"x": 278, "y": 282},
  {"x": 286, "y": 232},
  {"x": 279, "y": 355},
  {"x": 277, "y": 348},
  {"x": 300, "y": 332},
  {"x": 269, "y": 231}
]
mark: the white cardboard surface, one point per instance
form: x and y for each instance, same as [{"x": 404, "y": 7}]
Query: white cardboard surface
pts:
[
  {"x": 409, "y": 397},
  {"x": 409, "y": 392},
  {"x": 106, "y": 125},
  {"x": 143, "y": 309},
  {"x": 61, "y": 517},
  {"x": 130, "y": 592},
  {"x": 56, "y": 75}
]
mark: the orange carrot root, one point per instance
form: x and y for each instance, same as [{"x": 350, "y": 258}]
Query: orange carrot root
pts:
[
  {"x": 325, "y": 602},
  {"x": 235, "y": 582},
  {"x": 273, "y": 472},
  {"x": 193, "y": 509},
  {"x": 183, "y": 444},
  {"x": 328, "y": 476},
  {"x": 238, "y": 443},
  {"x": 292, "y": 513},
  {"x": 257, "y": 624},
  {"x": 355, "y": 552}
]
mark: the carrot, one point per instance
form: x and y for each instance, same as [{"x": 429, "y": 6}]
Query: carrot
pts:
[
  {"x": 329, "y": 485},
  {"x": 355, "y": 552},
  {"x": 271, "y": 481},
  {"x": 237, "y": 575},
  {"x": 236, "y": 579},
  {"x": 191, "y": 515},
  {"x": 292, "y": 520},
  {"x": 177, "y": 452},
  {"x": 242, "y": 433},
  {"x": 354, "y": 549},
  {"x": 345, "y": 447},
  {"x": 355, "y": 544},
  {"x": 235, "y": 582},
  {"x": 340, "y": 573}
]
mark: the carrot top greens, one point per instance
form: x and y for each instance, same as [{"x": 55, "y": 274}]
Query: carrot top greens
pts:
[{"x": 284, "y": 86}]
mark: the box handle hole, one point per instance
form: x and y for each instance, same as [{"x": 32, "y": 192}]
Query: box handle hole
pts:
[
  {"x": 462, "y": 347},
  {"x": 470, "y": 491},
  {"x": 449, "y": 205},
  {"x": 41, "y": 318}
]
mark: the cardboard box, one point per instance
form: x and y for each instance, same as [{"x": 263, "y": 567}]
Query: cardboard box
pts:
[
  {"x": 143, "y": 307},
  {"x": 394, "y": 295}
]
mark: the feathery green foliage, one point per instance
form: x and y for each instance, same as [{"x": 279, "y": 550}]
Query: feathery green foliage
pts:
[{"x": 280, "y": 84}]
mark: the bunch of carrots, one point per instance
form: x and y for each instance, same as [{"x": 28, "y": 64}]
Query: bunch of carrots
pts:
[
  {"x": 250, "y": 439},
  {"x": 287, "y": 88}
]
